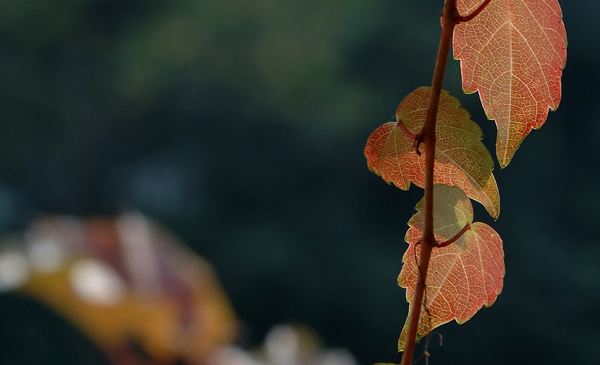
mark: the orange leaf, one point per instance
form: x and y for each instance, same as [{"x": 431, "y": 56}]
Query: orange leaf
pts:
[
  {"x": 463, "y": 276},
  {"x": 127, "y": 279},
  {"x": 460, "y": 160},
  {"x": 513, "y": 54}
]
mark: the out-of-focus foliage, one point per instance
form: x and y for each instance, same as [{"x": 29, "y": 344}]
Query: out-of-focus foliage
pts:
[
  {"x": 214, "y": 116},
  {"x": 122, "y": 281},
  {"x": 285, "y": 345}
]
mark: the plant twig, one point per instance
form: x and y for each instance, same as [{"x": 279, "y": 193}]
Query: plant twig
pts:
[{"x": 427, "y": 136}]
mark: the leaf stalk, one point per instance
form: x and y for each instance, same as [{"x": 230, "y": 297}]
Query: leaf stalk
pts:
[
  {"x": 466, "y": 18},
  {"x": 406, "y": 132},
  {"x": 455, "y": 238}
]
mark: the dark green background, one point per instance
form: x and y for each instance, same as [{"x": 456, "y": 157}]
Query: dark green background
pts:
[{"x": 241, "y": 125}]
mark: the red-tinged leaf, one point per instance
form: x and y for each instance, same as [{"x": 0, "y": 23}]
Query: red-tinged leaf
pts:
[
  {"x": 513, "y": 54},
  {"x": 460, "y": 160},
  {"x": 463, "y": 276},
  {"x": 126, "y": 279}
]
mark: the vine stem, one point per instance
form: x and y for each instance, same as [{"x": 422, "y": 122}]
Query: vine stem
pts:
[{"x": 450, "y": 18}]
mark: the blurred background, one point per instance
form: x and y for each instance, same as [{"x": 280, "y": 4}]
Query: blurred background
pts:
[{"x": 240, "y": 126}]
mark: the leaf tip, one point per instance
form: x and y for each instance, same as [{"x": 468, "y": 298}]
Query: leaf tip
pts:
[{"x": 505, "y": 160}]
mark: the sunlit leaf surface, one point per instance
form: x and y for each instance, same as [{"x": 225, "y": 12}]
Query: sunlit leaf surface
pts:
[
  {"x": 513, "y": 54},
  {"x": 461, "y": 159},
  {"x": 463, "y": 276}
]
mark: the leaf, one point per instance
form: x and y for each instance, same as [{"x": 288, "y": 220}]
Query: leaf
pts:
[
  {"x": 463, "y": 276},
  {"x": 513, "y": 54},
  {"x": 460, "y": 159},
  {"x": 127, "y": 279}
]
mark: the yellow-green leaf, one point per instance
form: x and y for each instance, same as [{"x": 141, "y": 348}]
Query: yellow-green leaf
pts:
[{"x": 460, "y": 159}]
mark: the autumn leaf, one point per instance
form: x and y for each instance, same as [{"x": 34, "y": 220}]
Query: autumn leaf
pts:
[
  {"x": 127, "y": 281},
  {"x": 463, "y": 276},
  {"x": 460, "y": 160},
  {"x": 513, "y": 54}
]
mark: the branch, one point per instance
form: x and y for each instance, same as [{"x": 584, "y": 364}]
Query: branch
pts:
[{"x": 427, "y": 136}]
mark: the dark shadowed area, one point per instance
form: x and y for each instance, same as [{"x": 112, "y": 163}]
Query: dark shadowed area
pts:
[{"x": 240, "y": 125}]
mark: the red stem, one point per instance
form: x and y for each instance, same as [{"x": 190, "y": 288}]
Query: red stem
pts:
[
  {"x": 427, "y": 136},
  {"x": 456, "y": 236},
  {"x": 407, "y": 133},
  {"x": 475, "y": 12}
]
